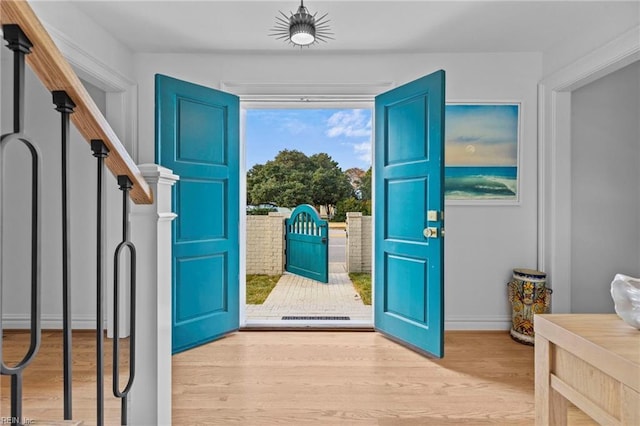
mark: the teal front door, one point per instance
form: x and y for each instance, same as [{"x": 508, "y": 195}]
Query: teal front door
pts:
[
  {"x": 409, "y": 214},
  {"x": 197, "y": 136},
  {"x": 307, "y": 249}
]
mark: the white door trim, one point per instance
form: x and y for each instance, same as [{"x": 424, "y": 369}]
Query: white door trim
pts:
[
  {"x": 279, "y": 95},
  {"x": 554, "y": 156}
]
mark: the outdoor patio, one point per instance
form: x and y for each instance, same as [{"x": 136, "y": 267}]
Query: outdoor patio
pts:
[{"x": 314, "y": 303}]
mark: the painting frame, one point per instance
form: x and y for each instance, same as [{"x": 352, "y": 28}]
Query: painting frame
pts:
[{"x": 501, "y": 178}]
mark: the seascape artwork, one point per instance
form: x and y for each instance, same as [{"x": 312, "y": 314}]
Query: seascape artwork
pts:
[{"x": 481, "y": 151}]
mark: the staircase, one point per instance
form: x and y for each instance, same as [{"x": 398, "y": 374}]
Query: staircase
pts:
[{"x": 31, "y": 44}]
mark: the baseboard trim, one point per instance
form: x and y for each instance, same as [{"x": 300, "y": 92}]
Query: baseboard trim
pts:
[
  {"x": 48, "y": 322},
  {"x": 84, "y": 322},
  {"x": 498, "y": 322}
]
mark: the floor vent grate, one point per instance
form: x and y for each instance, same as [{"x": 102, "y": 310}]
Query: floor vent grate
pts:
[{"x": 328, "y": 318}]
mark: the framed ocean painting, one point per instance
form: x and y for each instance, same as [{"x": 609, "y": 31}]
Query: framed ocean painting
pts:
[{"x": 481, "y": 152}]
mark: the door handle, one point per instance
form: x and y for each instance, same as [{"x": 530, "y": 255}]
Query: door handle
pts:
[
  {"x": 430, "y": 232},
  {"x": 324, "y": 240}
]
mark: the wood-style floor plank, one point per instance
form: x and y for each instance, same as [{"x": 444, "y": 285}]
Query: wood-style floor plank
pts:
[
  {"x": 265, "y": 378},
  {"x": 307, "y": 378},
  {"x": 43, "y": 386}
]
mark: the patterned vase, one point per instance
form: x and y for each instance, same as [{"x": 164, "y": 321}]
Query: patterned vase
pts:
[{"x": 528, "y": 295}]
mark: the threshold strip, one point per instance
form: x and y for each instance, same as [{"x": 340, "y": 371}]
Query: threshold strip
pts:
[{"x": 327, "y": 318}]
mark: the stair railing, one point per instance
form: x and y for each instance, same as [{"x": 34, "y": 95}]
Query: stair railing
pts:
[
  {"x": 20, "y": 45},
  {"x": 29, "y": 41}
]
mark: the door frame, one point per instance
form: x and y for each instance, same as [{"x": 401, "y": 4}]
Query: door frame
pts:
[
  {"x": 554, "y": 156},
  {"x": 290, "y": 96}
]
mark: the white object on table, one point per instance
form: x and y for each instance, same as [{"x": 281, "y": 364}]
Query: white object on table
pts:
[{"x": 625, "y": 292}]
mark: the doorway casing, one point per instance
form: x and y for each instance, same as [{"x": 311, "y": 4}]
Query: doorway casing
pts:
[
  {"x": 290, "y": 96},
  {"x": 554, "y": 156}
]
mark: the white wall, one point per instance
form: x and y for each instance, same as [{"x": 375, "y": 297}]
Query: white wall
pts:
[
  {"x": 614, "y": 20},
  {"x": 98, "y": 95},
  {"x": 605, "y": 176},
  {"x": 484, "y": 243},
  {"x": 554, "y": 121},
  {"x": 63, "y": 20},
  {"x": 42, "y": 125}
]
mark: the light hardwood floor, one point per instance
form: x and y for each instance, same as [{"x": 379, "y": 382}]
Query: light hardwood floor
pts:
[
  {"x": 43, "y": 400},
  {"x": 264, "y": 378},
  {"x": 314, "y": 377}
]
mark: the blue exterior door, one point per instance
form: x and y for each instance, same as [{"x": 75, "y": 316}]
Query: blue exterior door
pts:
[
  {"x": 409, "y": 214},
  {"x": 307, "y": 244},
  {"x": 197, "y": 136}
]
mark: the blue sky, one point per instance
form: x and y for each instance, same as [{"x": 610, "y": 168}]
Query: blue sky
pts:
[{"x": 344, "y": 134}]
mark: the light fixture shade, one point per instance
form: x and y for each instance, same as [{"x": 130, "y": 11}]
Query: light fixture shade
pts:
[
  {"x": 302, "y": 34},
  {"x": 302, "y": 28}
]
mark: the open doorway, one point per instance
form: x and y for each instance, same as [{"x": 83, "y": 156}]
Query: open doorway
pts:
[
  {"x": 604, "y": 177},
  {"x": 320, "y": 157},
  {"x": 208, "y": 154}
]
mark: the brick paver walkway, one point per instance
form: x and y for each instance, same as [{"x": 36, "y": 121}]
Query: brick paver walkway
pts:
[{"x": 298, "y": 296}]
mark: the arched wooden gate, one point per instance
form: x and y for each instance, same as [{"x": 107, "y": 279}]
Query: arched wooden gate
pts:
[{"x": 307, "y": 238}]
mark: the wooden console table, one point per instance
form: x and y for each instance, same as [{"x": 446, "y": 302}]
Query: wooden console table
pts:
[{"x": 592, "y": 360}]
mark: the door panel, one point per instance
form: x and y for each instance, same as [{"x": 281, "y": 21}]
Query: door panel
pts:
[
  {"x": 197, "y": 136},
  {"x": 409, "y": 183}
]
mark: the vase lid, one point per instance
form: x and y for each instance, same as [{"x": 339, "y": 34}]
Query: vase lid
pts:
[{"x": 529, "y": 272}]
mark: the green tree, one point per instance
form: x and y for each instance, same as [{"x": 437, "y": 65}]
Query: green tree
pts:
[
  {"x": 351, "y": 204},
  {"x": 273, "y": 185},
  {"x": 328, "y": 183},
  {"x": 365, "y": 185},
  {"x": 292, "y": 178}
]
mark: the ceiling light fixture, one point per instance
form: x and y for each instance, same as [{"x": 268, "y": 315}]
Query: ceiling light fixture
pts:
[{"x": 302, "y": 28}]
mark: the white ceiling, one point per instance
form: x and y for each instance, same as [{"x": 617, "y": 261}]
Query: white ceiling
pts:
[{"x": 359, "y": 26}]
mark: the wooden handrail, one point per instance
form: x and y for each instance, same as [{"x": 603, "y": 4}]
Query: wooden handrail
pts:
[{"x": 54, "y": 71}]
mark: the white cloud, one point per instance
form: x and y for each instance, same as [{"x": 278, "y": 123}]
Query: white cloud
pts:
[
  {"x": 294, "y": 125},
  {"x": 349, "y": 123},
  {"x": 363, "y": 151}
]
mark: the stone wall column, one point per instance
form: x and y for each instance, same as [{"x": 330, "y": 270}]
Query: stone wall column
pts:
[
  {"x": 277, "y": 246},
  {"x": 354, "y": 242},
  {"x": 366, "y": 244},
  {"x": 258, "y": 245}
]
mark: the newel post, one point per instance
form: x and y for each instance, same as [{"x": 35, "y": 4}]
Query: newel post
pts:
[{"x": 150, "y": 400}]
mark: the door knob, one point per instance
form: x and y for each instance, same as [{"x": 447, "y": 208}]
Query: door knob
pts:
[{"x": 430, "y": 232}]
